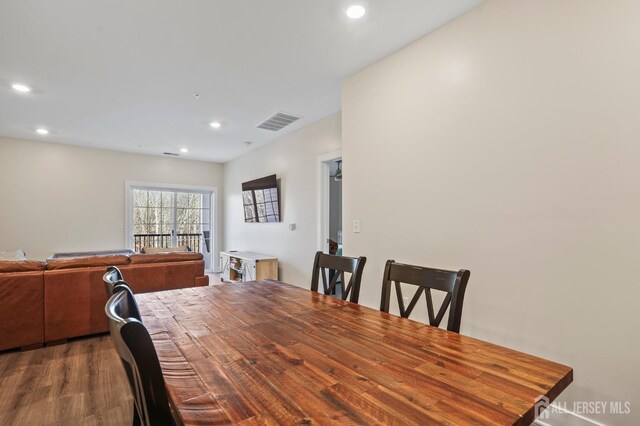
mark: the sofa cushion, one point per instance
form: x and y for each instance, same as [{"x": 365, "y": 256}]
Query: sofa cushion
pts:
[
  {"x": 13, "y": 255},
  {"x": 164, "y": 257},
  {"x": 143, "y": 278},
  {"x": 84, "y": 262},
  {"x": 92, "y": 253},
  {"x": 153, "y": 250},
  {"x": 21, "y": 265},
  {"x": 182, "y": 274}
]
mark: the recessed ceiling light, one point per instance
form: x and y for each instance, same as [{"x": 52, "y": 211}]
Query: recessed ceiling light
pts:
[
  {"x": 42, "y": 131},
  {"x": 184, "y": 150},
  {"x": 19, "y": 87},
  {"x": 356, "y": 12},
  {"x": 215, "y": 124}
]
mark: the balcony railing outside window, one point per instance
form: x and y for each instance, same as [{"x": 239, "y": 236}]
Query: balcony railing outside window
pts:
[{"x": 192, "y": 241}]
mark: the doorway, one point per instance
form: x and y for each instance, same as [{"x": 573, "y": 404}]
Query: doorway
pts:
[
  {"x": 172, "y": 217},
  {"x": 335, "y": 207},
  {"x": 330, "y": 203}
]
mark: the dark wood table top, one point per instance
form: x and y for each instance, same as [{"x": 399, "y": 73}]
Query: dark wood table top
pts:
[{"x": 265, "y": 352}]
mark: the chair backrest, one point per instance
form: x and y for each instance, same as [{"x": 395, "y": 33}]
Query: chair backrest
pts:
[
  {"x": 132, "y": 310},
  {"x": 340, "y": 265},
  {"x": 112, "y": 277},
  {"x": 140, "y": 360},
  {"x": 207, "y": 239},
  {"x": 452, "y": 283}
]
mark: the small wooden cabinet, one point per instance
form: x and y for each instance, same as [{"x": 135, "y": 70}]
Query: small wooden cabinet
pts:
[{"x": 239, "y": 266}]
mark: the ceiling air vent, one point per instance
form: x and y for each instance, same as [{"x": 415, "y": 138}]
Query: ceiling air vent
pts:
[
  {"x": 172, "y": 154},
  {"x": 278, "y": 121}
]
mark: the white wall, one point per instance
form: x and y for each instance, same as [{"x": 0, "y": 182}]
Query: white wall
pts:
[
  {"x": 293, "y": 159},
  {"x": 58, "y": 198},
  {"x": 508, "y": 143}
]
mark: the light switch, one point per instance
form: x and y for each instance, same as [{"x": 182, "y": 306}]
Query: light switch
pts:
[
  {"x": 292, "y": 227},
  {"x": 356, "y": 226}
]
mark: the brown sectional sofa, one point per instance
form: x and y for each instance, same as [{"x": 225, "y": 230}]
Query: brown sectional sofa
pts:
[{"x": 63, "y": 298}]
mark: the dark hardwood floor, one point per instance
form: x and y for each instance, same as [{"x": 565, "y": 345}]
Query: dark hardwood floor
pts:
[{"x": 78, "y": 383}]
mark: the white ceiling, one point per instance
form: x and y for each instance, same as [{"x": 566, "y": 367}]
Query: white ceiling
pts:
[{"x": 121, "y": 74}]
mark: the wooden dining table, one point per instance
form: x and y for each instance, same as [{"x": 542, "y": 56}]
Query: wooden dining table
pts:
[{"x": 266, "y": 352}]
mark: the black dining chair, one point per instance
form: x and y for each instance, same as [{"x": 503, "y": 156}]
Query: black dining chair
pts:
[
  {"x": 452, "y": 283},
  {"x": 112, "y": 277},
  {"x": 139, "y": 359},
  {"x": 325, "y": 263}
]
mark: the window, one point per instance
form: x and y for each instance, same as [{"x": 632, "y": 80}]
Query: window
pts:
[{"x": 168, "y": 219}]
